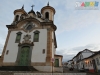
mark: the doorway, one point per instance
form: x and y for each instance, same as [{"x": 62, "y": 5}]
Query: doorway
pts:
[
  {"x": 56, "y": 62},
  {"x": 24, "y": 56}
]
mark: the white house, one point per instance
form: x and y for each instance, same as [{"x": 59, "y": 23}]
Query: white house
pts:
[
  {"x": 86, "y": 60},
  {"x": 80, "y": 56},
  {"x": 69, "y": 65},
  {"x": 74, "y": 62},
  {"x": 92, "y": 63}
]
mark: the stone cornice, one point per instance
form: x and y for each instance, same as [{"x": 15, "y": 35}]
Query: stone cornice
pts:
[
  {"x": 25, "y": 43},
  {"x": 32, "y": 19},
  {"x": 11, "y": 26},
  {"x": 49, "y": 24},
  {"x": 20, "y": 10}
]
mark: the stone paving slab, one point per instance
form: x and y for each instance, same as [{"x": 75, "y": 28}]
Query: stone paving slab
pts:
[{"x": 42, "y": 73}]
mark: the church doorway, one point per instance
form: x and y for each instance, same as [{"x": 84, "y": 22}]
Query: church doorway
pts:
[{"x": 24, "y": 56}]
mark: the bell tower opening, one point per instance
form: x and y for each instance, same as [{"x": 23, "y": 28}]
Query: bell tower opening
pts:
[
  {"x": 17, "y": 17},
  {"x": 47, "y": 15}
]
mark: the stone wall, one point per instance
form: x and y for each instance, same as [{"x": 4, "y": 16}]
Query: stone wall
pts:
[{"x": 0, "y": 61}]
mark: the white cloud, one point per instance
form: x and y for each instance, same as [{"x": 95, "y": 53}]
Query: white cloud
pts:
[{"x": 78, "y": 20}]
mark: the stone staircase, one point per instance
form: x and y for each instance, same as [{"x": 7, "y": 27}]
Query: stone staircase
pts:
[{"x": 17, "y": 68}]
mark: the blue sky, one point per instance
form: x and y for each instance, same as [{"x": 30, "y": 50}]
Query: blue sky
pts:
[{"x": 76, "y": 29}]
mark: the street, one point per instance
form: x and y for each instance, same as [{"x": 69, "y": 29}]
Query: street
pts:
[{"x": 66, "y": 70}]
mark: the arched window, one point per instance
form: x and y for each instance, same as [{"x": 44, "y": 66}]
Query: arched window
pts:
[
  {"x": 18, "y": 37},
  {"x": 47, "y": 15},
  {"x": 36, "y": 36},
  {"x": 17, "y": 17}
]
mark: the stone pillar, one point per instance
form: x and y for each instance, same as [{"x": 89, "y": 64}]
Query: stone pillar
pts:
[{"x": 49, "y": 47}]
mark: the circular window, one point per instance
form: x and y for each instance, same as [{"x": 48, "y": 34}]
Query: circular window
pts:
[{"x": 29, "y": 27}]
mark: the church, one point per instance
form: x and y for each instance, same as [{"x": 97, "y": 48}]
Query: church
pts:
[{"x": 31, "y": 41}]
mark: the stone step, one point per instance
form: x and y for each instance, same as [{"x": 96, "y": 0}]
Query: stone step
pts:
[{"x": 17, "y": 68}]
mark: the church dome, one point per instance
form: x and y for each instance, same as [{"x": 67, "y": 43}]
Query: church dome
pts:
[
  {"x": 48, "y": 13},
  {"x": 20, "y": 10},
  {"x": 48, "y": 7},
  {"x": 32, "y": 11}
]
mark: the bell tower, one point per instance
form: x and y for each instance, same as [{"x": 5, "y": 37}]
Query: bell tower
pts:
[
  {"x": 48, "y": 12},
  {"x": 18, "y": 14}
]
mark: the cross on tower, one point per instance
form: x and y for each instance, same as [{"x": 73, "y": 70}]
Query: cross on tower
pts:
[
  {"x": 32, "y": 6},
  {"x": 23, "y": 6}
]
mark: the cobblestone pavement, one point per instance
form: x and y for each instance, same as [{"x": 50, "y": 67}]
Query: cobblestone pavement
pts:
[{"x": 66, "y": 70}]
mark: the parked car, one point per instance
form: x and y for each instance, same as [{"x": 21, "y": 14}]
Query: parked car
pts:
[
  {"x": 71, "y": 69},
  {"x": 81, "y": 70}
]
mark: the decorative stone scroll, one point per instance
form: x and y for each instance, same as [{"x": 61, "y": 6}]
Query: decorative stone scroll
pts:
[{"x": 26, "y": 40}]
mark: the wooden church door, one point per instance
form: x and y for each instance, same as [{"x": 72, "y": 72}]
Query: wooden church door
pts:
[{"x": 24, "y": 56}]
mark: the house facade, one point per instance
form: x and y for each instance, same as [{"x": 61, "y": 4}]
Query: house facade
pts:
[
  {"x": 87, "y": 60},
  {"x": 92, "y": 63},
  {"x": 82, "y": 55}
]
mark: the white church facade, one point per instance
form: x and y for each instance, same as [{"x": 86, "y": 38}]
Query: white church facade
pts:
[{"x": 31, "y": 40}]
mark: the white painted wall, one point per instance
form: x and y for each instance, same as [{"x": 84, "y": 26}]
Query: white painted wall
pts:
[
  {"x": 79, "y": 65},
  {"x": 75, "y": 65},
  {"x": 89, "y": 66},
  {"x": 69, "y": 64},
  {"x": 37, "y": 55},
  {"x": 12, "y": 47},
  {"x": 97, "y": 56}
]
